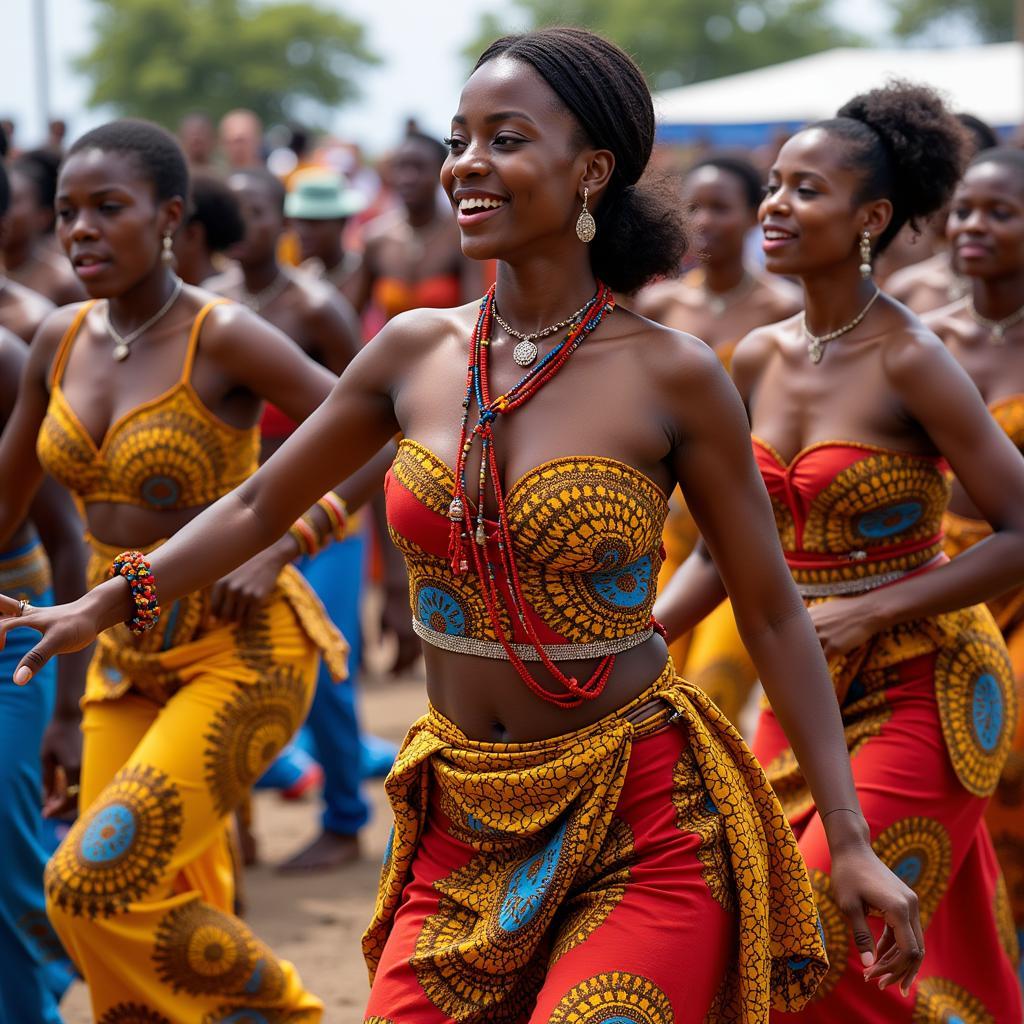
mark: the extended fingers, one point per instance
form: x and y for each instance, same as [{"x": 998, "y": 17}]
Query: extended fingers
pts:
[{"x": 30, "y": 665}]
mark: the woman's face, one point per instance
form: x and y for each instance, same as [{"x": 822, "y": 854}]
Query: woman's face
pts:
[
  {"x": 263, "y": 218},
  {"x": 109, "y": 221},
  {"x": 23, "y": 221},
  {"x": 810, "y": 216},
  {"x": 986, "y": 222},
  {"x": 414, "y": 172},
  {"x": 719, "y": 214},
  {"x": 515, "y": 167}
]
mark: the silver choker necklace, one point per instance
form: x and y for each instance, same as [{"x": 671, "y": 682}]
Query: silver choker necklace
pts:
[
  {"x": 258, "y": 301},
  {"x": 123, "y": 342}
]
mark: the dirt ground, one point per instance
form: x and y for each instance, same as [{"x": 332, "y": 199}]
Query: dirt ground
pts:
[{"x": 316, "y": 921}]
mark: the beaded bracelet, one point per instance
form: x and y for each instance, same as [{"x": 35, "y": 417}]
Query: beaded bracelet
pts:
[
  {"x": 135, "y": 568},
  {"x": 336, "y": 510}
]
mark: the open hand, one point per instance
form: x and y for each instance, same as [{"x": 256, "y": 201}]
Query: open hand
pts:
[{"x": 65, "y": 628}]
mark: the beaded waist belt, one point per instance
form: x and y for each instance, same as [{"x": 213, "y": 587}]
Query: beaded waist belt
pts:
[
  {"x": 556, "y": 652},
  {"x": 861, "y": 585}
]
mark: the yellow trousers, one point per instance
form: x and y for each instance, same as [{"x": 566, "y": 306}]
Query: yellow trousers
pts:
[{"x": 140, "y": 892}]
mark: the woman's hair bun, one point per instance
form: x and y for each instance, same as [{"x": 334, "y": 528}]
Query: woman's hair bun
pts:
[{"x": 911, "y": 146}]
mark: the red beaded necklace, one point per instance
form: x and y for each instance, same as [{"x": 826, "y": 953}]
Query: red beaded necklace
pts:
[{"x": 469, "y": 540}]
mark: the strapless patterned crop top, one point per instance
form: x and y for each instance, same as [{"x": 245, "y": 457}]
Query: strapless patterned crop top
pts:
[
  {"x": 855, "y": 516},
  {"x": 168, "y": 453},
  {"x": 587, "y": 535}
]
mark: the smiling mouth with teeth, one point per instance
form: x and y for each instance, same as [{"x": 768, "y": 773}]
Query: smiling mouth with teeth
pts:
[{"x": 477, "y": 203}]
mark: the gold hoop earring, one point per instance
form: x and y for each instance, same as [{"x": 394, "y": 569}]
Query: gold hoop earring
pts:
[
  {"x": 865, "y": 254},
  {"x": 168, "y": 252},
  {"x": 586, "y": 227}
]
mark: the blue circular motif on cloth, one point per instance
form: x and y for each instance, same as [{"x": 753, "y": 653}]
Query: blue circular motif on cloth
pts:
[
  {"x": 909, "y": 870},
  {"x": 884, "y": 522},
  {"x": 625, "y": 587},
  {"x": 439, "y": 611},
  {"x": 160, "y": 491},
  {"x": 987, "y": 711},
  {"x": 109, "y": 835},
  {"x": 247, "y": 1015},
  {"x": 528, "y": 884}
]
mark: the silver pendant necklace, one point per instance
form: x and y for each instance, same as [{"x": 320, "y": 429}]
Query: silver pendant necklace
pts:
[
  {"x": 816, "y": 342},
  {"x": 719, "y": 302},
  {"x": 525, "y": 353},
  {"x": 123, "y": 342},
  {"x": 997, "y": 328},
  {"x": 258, "y": 301}
]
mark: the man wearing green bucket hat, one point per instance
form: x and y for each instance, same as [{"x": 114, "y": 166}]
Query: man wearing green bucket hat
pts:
[{"x": 318, "y": 207}]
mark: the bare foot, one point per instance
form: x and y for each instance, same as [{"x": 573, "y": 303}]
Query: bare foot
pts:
[{"x": 328, "y": 852}]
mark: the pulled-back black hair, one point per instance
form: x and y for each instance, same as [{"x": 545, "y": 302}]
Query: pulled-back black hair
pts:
[
  {"x": 436, "y": 146},
  {"x": 5, "y": 192},
  {"x": 40, "y": 167},
  {"x": 1004, "y": 156},
  {"x": 909, "y": 146},
  {"x": 742, "y": 169},
  {"x": 215, "y": 207},
  {"x": 981, "y": 135},
  {"x": 640, "y": 231},
  {"x": 260, "y": 177},
  {"x": 154, "y": 150}
]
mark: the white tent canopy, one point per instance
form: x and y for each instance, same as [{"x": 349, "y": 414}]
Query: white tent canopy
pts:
[{"x": 987, "y": 81}]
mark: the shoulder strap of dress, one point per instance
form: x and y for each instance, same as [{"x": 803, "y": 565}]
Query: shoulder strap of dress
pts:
[
  {"x": 193, "y": 338},
  {"x": 64, "y": 348}
]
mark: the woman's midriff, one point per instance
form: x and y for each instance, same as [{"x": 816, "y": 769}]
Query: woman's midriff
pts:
[
  {"x": 488, "y": 701},
  {"x": 122, "y": 525}
]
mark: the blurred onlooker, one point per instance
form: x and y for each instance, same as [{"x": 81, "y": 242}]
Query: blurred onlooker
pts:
[
  {"x": 28, "y": 256},
  {"x": 241, "y": 140},
  {"x": 213, "y": 224},
  {"x": 318, "y": 206},
  {"x": 56, "y": 133},
  {"x": 198, "y": 139},
  {"x": 21, "y": 310},
  {"x": 7, "y": 130}
]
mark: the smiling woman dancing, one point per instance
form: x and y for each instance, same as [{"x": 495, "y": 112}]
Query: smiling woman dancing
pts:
[
  {"x": 579, "y": 834},
  {"x": 856, "y": 407}
]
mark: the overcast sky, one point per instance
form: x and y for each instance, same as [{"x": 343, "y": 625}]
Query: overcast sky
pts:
[{"x": 420, "y": 43}]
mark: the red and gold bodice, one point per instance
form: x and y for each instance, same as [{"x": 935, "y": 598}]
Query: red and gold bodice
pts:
[
  {"x": 848, "y": 513},
  {"x": 587, "y": 537}
]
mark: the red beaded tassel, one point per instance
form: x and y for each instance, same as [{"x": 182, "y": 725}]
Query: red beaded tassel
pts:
[{"x": 468, "y": 541}]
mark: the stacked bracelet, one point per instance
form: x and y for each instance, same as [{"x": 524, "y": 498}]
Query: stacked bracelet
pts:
[
  {"x": 305, "y": 533},
  {"x": 135, "y": 568},
  {"x": 337, "y": 514}
]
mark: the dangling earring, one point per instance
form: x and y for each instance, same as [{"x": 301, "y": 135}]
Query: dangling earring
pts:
[
  {"x": 168, "y": 254},
  {"x": 586, "y": 227},
  {"x": 865, "y": 254}
]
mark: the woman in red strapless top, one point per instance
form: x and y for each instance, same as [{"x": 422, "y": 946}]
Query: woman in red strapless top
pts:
[
  {"x": 579, "y": 834},
  {"x": 858, "y": 412}
]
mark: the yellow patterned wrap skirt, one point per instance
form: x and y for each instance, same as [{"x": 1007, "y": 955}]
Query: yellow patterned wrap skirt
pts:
[{"x": 645, "y": 867}]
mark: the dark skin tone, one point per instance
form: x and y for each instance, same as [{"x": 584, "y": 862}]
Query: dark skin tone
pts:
[
  {"x": 986, "y": 232},
  {"x": 53, "y": 516},
  {"x": 28, "y": 260},
  {"x": 655, "y": 399},
  {"x": 22, "y": 310},
  {"x": 193, "y": 258},
  {"x": 889, "y": 382},
  {"x": 418, "y": 242},
  {"x": 321, "y": 240},
  {"x": 720, "y": 219}
]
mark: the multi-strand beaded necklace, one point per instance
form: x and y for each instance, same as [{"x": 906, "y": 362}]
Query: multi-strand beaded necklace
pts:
[{"x": 469, "y": 540}]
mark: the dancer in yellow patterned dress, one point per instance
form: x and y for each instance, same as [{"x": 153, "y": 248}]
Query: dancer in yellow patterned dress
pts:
[
  {"x": 579, "y": 834},
  {"x": 985, "y": 333},
  {"x": 145, "y": 405}
]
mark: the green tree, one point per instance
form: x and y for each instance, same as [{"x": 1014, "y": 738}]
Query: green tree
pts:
[
  {"x": 990, "y": 20},
  {"x": 681, "y": 41},
  {"x": 160, "y": 59}
]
